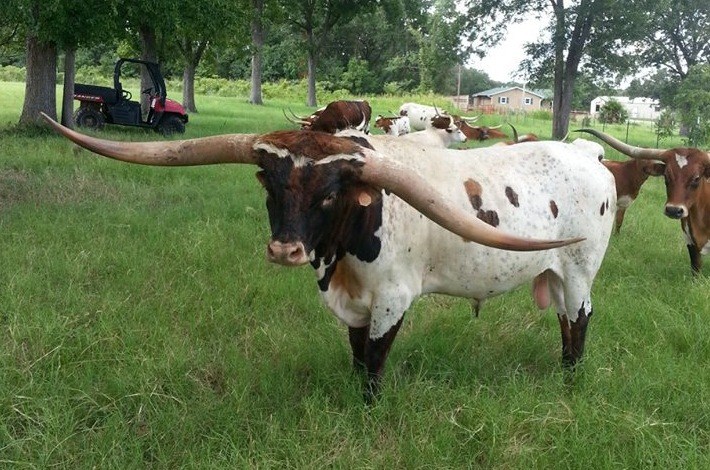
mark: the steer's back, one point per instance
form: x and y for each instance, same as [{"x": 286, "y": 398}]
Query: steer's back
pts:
[{"x": 545, "y": 190}]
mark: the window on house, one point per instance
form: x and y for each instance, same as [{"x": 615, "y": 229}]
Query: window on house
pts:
[
  {"x": 597, "y": 107},
  {"x": 503, "y": 99},
  {"x": 528, "y": 101}
]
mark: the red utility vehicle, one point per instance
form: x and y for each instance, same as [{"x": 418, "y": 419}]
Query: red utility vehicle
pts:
[{"x": 101, "y": 105}]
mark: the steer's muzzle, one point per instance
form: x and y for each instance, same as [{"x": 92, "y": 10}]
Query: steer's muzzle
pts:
[
  {"x": 676, "y": 212},
  {"x": 286, "y": 253}
]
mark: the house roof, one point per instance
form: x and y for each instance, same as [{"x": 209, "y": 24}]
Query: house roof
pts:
[
  {"x": 626, "y": 99},
  {"x": 544, "y": 94}
]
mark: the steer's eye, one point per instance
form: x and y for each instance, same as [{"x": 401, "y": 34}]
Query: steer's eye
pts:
[
  {"x": 695, "y": 182},
  {"x": 449, "y": 131},
  {"x": 329, "y": 200}
]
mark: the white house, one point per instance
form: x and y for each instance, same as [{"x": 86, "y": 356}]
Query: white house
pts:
[{"x": 638, "y": 108}]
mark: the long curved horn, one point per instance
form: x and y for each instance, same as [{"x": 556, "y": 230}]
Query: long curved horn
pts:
[
  {"x": 496, "y": 127},
  {"x": 299, "y": 122},
  {"x": 470, "y": 118},
  {"x": 235, "y": 148},
  {"x": 626, "y": 149},
  {"x": 437, "y": 111},
  {"x": 417, "y": 192},
  {"x": 297, "y": 117},
  {"x": 515, "y": 133}
]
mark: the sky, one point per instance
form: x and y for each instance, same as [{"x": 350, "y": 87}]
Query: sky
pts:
[{"x": 503, "y": 60}]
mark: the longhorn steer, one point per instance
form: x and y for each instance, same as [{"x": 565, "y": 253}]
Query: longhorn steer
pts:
[
  {"x": 441, "y": 133},
  {"x": 687, "y": 174},
  {"x": 394, "y": 125},
  {"x": 379, "y": 235},
  {"x": 479, "y": 133},
  {"x": 629, "y": 176},
  {"x": 420, "y": 115},
  {"x": 337, "y": 116}
]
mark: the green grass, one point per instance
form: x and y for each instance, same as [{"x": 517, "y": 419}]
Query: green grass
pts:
[{"x": 141, "y": 327}]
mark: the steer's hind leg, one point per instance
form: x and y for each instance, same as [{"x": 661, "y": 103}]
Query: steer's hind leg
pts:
[{"x": 574, "y": 308}]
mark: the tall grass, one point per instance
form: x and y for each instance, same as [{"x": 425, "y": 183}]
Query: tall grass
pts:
[{"x": 142, "y": 328}]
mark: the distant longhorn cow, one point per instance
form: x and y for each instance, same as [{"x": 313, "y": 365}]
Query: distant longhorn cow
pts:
[
  {"x": 441, "y": 132},
  {"x": 381, "y": 225},
  {"x": 687, "y": 175},
  {"x": 337, "y": 116},
  {"x": 420, "y": 115},
  {"x": 479, "y": 133},
  {"x": 629, "y": 177},
  {"x": 393, "y": 125}
]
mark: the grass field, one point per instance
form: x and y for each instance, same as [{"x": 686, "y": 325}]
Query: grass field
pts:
[{"x": 141, "y": 327}]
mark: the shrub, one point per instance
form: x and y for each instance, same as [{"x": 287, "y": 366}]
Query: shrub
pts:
[
  {"x": 10, "y": 73},
  {"x": 665, "y": 125},
  {"x": 613, "y": 113}
]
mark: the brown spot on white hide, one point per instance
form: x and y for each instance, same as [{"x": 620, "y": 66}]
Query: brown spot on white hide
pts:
[
  {"x": 554, "y": 209},
  {"x": 474, "y": 192},
  {"x": 489, "y": 217},
  {"x": 344, "y": 279},
  {"x": 512, "y": 196}
]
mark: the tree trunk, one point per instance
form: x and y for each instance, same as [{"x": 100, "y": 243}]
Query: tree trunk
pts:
[
  {"x": 149, "y": 53},
  {"x": 188, "y": 88},
  {"x": 68, "y": 91},
  {"x": 559, "y": 128},
  {"x": 312, "y": 80},
  {"x": 40, "y": 86},
  {"x": 257, "y": 40}
]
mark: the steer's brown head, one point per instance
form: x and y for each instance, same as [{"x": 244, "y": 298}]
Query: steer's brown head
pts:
[
  {"x": 317, "y": 185},
  {"x": 315, "y": 196},
  {"x": 479, "y": 133},
  {"x": 686, "y": 170}
]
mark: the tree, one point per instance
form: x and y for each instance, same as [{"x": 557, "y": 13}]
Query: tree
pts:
[
  {"x": 48, "y": 26},
  {"x": 587, "y": 32},
  {"x": 678, "y": 35},
  {"x": 315, "y": 19},
  {"x": 257, "y": 55},
  {"x": 693, "y": 104},
  {"x": 439, "y": 49},
  {"x": 199, "y": 24},
  {"x": 150, "y": 21}
]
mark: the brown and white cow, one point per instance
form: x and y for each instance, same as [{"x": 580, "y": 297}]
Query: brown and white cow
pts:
[
  {"x": 393, "y": 125},
  {"x": 382, "y": 224},
  {"x": 687, "y": 175},
  {"x": 629, "y": 176},
  {"x": 337, "y": 116},
  {"x": 479, "y": 133}
]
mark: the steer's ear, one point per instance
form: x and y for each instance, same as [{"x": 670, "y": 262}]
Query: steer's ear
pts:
[{"x": 656, "y": 169}]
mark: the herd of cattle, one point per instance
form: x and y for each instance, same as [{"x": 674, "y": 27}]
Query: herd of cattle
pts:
[{"x": 384, "y": 219}]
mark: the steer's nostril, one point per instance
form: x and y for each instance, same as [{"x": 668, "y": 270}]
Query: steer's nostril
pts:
[{"x": 674, "y": 212}]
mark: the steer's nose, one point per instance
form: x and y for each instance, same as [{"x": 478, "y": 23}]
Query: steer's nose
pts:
[
  {"x": 287, "y": 254},
  {"x": 675, "y": 212}
]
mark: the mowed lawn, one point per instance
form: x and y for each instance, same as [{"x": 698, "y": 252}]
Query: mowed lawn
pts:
[{"x": 141, "y": 327}]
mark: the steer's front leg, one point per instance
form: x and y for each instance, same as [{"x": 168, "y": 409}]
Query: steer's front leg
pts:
[
  {"x": 358, "y": 343},
  {"x": 696, "y": 260},
  {"x": 376, "y": 352}
]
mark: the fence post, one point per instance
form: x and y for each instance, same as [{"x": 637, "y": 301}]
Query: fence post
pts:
[{"x": 628, "y": 123}]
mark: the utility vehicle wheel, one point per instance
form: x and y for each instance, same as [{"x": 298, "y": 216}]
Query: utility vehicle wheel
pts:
[
  {"x": 171, "y": 124},
  {"x": 89, "y": 118}
]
